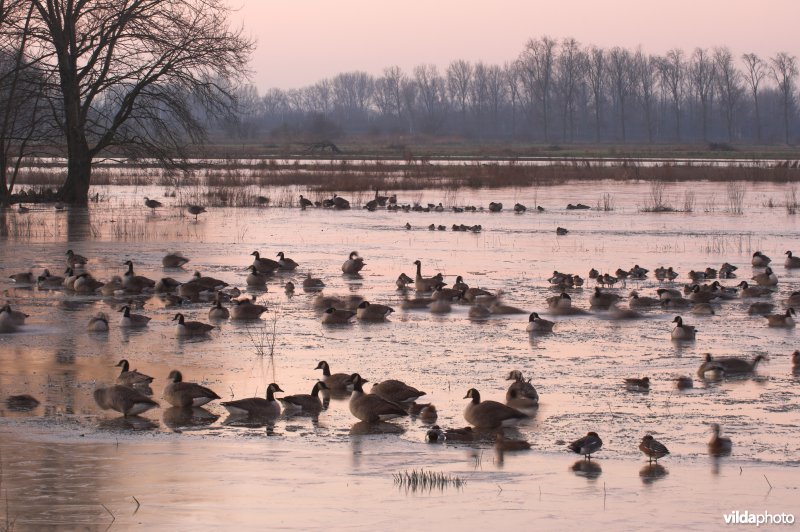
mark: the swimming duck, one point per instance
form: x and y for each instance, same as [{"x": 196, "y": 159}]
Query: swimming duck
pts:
[
  {"x": 684, "y": 382},
  {"x": 334, "y": 316},
  {"x": 173, "y": 260},
  {"x": 638, "y": 302},
  {"x": 256, "y": 407},
  {"x": 521, "y": 393},
  {"x": 131, "y": 377},
  {"x": 191, "y": 328},
  {"x": 304, "y": 403},
  {"x": 682, "y": 331},
  {"x": 489, "y": 414},
  {"x": 760, "y": 260},
  {"x": 537, "y": 324},
  {"x": 336, "y": 382},
  {"x": 371, "y": 407},
  {"x": 718, "y": 445},
  {"x": 183, "y": 394},
  {"x": 588, "y": 445},
  {"x": 781, "y": 320},
  {"x": 428, "y": 414},
  {"x": 396, "y": 391},
  {"x": 652, "y": 448},
  {"x": 371, "y": 312},
  {"x": 49, "y": 282},
  {"x": 22, "y": 278},
  {"x": 123, "y": 399},
  {"x": 403, "y": 281}
]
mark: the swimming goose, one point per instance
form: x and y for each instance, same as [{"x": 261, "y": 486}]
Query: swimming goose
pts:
[
  {"x": 286, "y": 263},
  {"x": 703, "y": 309},
  {"x": 86, "y": 284},
  {"x": 371, "y": 407},
  {"x": 781, "y": 320},
  {"x": 123, "y": 399},
  {"x": 734, "y": 365},
  {"x": 131, "y": 377},
  {"x": 334, "y": 316},
  {"x": 424, "y": 284},
  {"x": 653, "y": 448},
  {"x": 305, "y": 403},
  {"x": 460, "y": 285},
  {"x": 112, "y": 287},
  {"x": 49, "y": 282},
  {"x": 22, "y": 278},
  {"x": 312, "y": 283},
  {"x": 305, "y": 202},
  {"x": 499, "y": 308},
  {"x": 246, "y": 310},
  {"x": 766, "y": 278},
  {"x": 183, "y": 394},
  {"x": 718, "y": 445},
  {"x": 371, "y": 312},
  {"x": 191, "y": 328},
  {"x": 152, "y": 204},
  {"x": 98, "y": 323},
  {"x": 537, "y": 324},
  {"x": 702, "y": 296},
  {"x": 479, "y": 312},
  {"x": 15, "y": 317},
  {"x": 396, "y": 391},
  {"x": 208, "y": 283},
  {"x": 521, "y": 393},
  {"x": 264, "y": 265},
  {"x": 133, "y": 321},
  {"x": 74, "y": 260},
  {"x": 588, "y": 445},
  {"x": 337, "y": 382},
  {"x": 602, "y": 300},
  {"x": 760, "y": 260},
  {"x": 761, "y": 309},
  {"x": 791, "y": 261},
  {"x": 489, "y": 414},
  {"x": 218, "y": 312},
  {"x": 638, "y": 385},
  {"x": 173, "y": 260},
  {"x": 682, "y": 331},
  {"x": 195, "y": 210},
  {"x": 135, "y": 283},
  {"x": 519, "y": 208},
  {"x": 752, "y": 291},
  {"x": 403, "y": 281},
  {"x": 255, "y": 278},
  {"x": 256, "y": 407},
  {"x": 638, "y": 302},
  {"x": 561, "y": 301}
]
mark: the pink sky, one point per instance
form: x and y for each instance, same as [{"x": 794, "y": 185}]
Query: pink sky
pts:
[{"x": 302, "y": 41}]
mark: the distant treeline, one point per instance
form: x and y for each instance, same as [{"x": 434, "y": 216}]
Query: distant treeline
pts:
[{"x": 554, "y": 92}]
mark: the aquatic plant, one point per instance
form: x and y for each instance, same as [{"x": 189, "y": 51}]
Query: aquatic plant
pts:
[{"x": 426, "y": 480}]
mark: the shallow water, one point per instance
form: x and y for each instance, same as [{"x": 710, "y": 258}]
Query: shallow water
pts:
[{"x": 578, "y": 370}]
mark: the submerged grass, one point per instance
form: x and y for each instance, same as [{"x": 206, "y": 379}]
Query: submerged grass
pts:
[{"x": 422, "y": 480}]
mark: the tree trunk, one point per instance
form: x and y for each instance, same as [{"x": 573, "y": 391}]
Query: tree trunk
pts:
[{"x": 75, "y": 189}]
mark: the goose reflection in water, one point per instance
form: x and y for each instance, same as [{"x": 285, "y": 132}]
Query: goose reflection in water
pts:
[
  {"x": 650, "y": 473},
  {"x": 587, "y": 468},
  {"x": 177, "y": 418},
  {"x": 130, "y": 423}
]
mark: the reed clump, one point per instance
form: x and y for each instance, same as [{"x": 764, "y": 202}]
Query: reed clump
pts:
[{"x": 426, "y": 480}]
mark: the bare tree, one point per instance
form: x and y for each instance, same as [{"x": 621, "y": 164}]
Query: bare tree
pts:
[
  {"x": 673, "y": 72},
  {"x": 511, "y": 75},
  {"x": 459, "y": 77},
  {"x": 622, "y": 81},
  {"x": 432, "y": 94},
  {"x": 645, "y": 70},
  {"x": 571, "y": 67},
  {"x": 132, "y": 73},
  {"x": 783, "y": 68},
  {"x": 702, "y": 76},
  {"x": 537, "y": 62},
  {"x": 479, "y": 95},
  {"x": 755, "y": 70},
  {"x": 496, "y": 93},
  {"x": 729, "y": 85},
  {"x": 597, "y": 80}
]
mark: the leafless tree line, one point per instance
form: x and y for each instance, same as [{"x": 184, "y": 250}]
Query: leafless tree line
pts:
[{"x": 554, "y": 92}]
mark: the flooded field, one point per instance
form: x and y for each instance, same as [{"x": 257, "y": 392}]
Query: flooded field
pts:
[{"x": 67, "y": 463}]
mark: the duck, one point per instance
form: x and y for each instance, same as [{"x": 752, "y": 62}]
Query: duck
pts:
[
  {"x": 264, "y": 265},
  {"x": 428, "y": 414},
  {"x": 286, "y": 263},
  {"x": 760, "y": 260},
  {"x": 684, "y": 382},
  {"x": 682, "y": 331},
  {"x": 449, "y": 294},
  {"x": 288, "y": 288},
  {"x": 336, "y": 382},
  {"x": 403, "y": 281},
  {"x": 22, "y": 402},
  {"x": 195, "y": 210},
  {"x": 218, "y": 312},
  {"x": 563, "y": 301},
  {"x": 173, "y": 260},
  {"x": 519, "y": 208},
  {"x": 424, "y": 284},
  {"x": 49, "y": 282},
  {"x": 186, "y": 394},
  {"x": 747, "y": 291},
  {"x": 23, "y": 278},
  {"x": 371, "y": 407},
  {"x": 305, "y": 202},
  {"x": 587, "y": 446},
  {"x": 125, "y": 400},
  {"x": 781, "y": 320},
  {"x": 638, "y": 385},
  {"x": 796, "y": 361},
  {"x": 191, "y": 328},
  {"x": 766, "y": 278},
  {"x": 602, "y": 300},
  {"x": 256, "y": 278},
  {"x": 653, "y": 448},
  {"x": 503, "y": 444},
  {"x": 489, "y": 414},
  {"x": 760, "y": 309},
  {"x": 305, "y": 403},
  {"x": 668, "y": 293},
  {"x": 495, "y": 206},
  {"x": 727, "y": 271},
  {"x": 74, "y": 260},
  {"x": 152, "y": 204},
  {"x": 98, "y": 323},
  {"x": 537, "y": 324},
  {"x": 15, "y": 317},
  {"x": 333, "y": 316},
  {"x": 701, "y": 296},
  {"x": 371, "y": 312},
  {"x": 246, "y": 310},
  {"x": 135, "y": 283},
  {"x": 132, "y": 321},
  {"x": 719, "y": 445},
  {"x": 791, "y": 261},
  {"x": 256, "y": 406},
  {"x": 131, "y": 377},
  {"x": 396, "y": 391},
  {"x": 521, "y": 393},
  {"x": 312, "y": 283}
]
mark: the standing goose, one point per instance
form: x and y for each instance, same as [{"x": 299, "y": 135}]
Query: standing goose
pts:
[
  {"x": 183, "y": 394},
  {"x": 256, "y": 406},
  {"x": 652, "y": 448},
  {"x": 353, "y": 264},
  {"x": 173, "y": 260},
  {"x": 131, "y": 377},
  {"x": 305, "y": 202},
  {"x": 135, "y": 283},
  {"x": 718, "y": 445},
  {"x": 195, "y": 210},
  {"x": 255, "y": 278},
  {"x": 152, "y": 204},
  {"x": 766, "y": 278},
  {"x": 124, "y": 400},
  {"x": 286, "y": 263},
  {"x": 537, "y": 324},
  {"x": 588, "y": 445},
  {"x": 191, "y": 328},
  {"x": 682, "y": 331},
  {"x": 370, "y": 407},
  {"x": 98, "y": 323},
  {"x": 264, "y": 265},
  {"x": 489, "y": 414},
  {"x": 396, "y": 391},
  {"x": 760, "y": 260},
  {"x": 521, "y": 393},
  {"x": 791, "y": 261},
  {"x": 133, "y": 321},
  {"x": 305, "y": 403},
  {"x": 781, "y": 320},
  {"x": 337, "y": 382},
  {"x": 78, "y": 261},
  {"x": 334, "y": 316},
  {"x": 247, "y": 311},
  {"x": 424, "y": 284},
  {"x": 371, "y": 312}
]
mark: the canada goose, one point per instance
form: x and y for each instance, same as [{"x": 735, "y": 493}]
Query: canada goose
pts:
[
  {"x": 255, "y": 406},
  {"x": 323, "y": 302},
  {"x": 652, "y": 448},
  {"x": 371, "y": 407},
  {"x": 312, "y": 283},
  {"x": 15, "y": 317},
  {"x": 152, "y": 204},
  {"x": 479, "y": 312},
  {"x": 255, "y": 278},
  {"x": 340, "y": 203},
  {"x": 416, "y": 303},
  {"x": 98, "y": 323},
  {"x": 561, "y": 301},
  {"x": 460, "y": 285},
  {"x": 191, "y": 328},
  {"x": 195, "y": 210},
  {"x": 173, "y": 260},
  {"x": 285, "y": 262},
  {"x": 305, "y": 202},
  {"x": 760, "y": 260},
  {"x": 519, "y": 208},
  {"x": 133, "y": 321},
  {"x": 135, "y": 283},
  {"x": 125, "y": 400},
  {"x": 781, "y": 320},
  {"x": 403, "y": 281},
  {"x": 521, "y": 393},
  {"x": 305, "y": 403},
  {"x": 638, "y": 302},
  {"x": 396, "y": 391},
  {"x": 766, "y": 278},
  {"x": 49, "y": 282},
  {"x": 264, "y": 265},
  {"x": 602, "y": 300},
  {"x": 353, "y": 264},
  {"x": 183, "y": 394},
  {"x": 334, "y": 316},
  {"x": 69, "y": 279},
  {"x": 218, "y": 312},
  {"x": 499, "y": 308},
  {"x": 473, "y": 294},
  {"x": 791, "y": 261},
  {"x": 684, "y": 382},
  {"x": 761, "y": 309},
  {"x": 701, "y": 296},
  {"x": 793, "y": 299},
  {"x": 288, "y": 288},
  {"x": 22, "y": 402},
  {"x": 131, "y": 377},
  {"x": 166, "y": 285},
  {"x": 537, "y": 324},
  {"x": 747, "y": 291},
  {"x": 74, "y": 260},
  {"x": 718, "y": 445},
  {"x": 22, "y": 278},
  {"x": 682, "y": 331},
  {"x": 424, "y": 284},
  {"x": 370, "y": 312},
  {"x": 337, "y": 382},
  {"x": 638, "y": 385},
  {"x": 703, "y": 309},
  {"x": 247, "y": 311},
  {"x": 503, "y": 444},
  {"x": 618, "y": 313},
  {"x": 489, "y": 414},
  {"x": 732, "y": 365},
  {"x": 207, "y": 282},
  {"x": 86, "y": 284},
  {"x": 588, "y": 445},
  {"x": 112, "y": 286}
]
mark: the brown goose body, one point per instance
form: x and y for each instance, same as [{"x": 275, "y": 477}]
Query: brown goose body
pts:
[
  {"x": 489, "y": 414},
  {"x": 123, "y": 399},
  {"x": 183, "y": 394}
]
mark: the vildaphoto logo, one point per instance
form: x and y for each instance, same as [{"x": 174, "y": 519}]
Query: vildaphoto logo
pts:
[{"x": 764, "y": 518}]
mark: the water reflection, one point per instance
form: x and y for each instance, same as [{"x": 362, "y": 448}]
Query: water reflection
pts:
[
  {"x": 78, "y": 224},
  {"x": 122, "y": 423},
  {"x": 589, "y": 469},
  {"x": 652, "y": 472},
  {"x": 178, "y": 418},
  {"x": 362, "y": 428}
]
